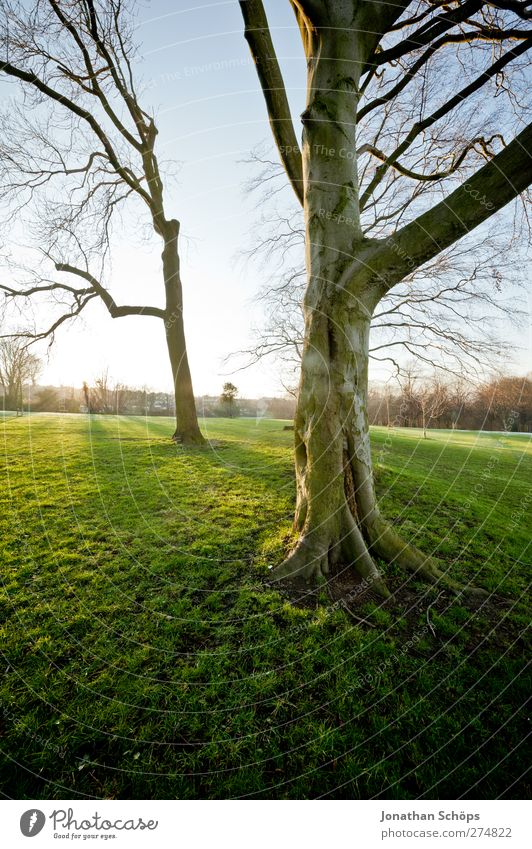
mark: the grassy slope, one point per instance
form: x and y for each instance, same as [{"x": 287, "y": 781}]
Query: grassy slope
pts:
[{"x": 145, "y": 657}]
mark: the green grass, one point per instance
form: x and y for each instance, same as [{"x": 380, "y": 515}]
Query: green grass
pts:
[{"x": 146, "y": 657}]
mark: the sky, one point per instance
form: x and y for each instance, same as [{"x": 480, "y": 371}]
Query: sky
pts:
[{"x": 200, "y": 81}]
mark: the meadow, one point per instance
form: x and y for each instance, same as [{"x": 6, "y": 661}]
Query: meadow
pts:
[{"x": 145, "y": 655}]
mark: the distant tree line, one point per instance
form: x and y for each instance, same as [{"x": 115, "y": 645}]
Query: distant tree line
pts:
[
  {"x": 503, "y": 403},
  {"x": 106, "y": 397},
  {"x": 414, "y": 400}
]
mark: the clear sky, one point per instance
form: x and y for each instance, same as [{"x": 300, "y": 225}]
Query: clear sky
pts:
[{"x": 201, "y": 82}]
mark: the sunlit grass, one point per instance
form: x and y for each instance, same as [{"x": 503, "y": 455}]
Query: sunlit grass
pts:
[{"x": 145, "y": 656}]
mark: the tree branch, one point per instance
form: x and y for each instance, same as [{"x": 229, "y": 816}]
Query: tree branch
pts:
[
  {"x": 35, "y": 337},
  {"x": 114, "y": 310},
  {"x": 50, "y": 287},
  {"x": 92, "y": 75},
  {"x": 451, "y": 104},
  {"x": 424, "y": 35},
  {"x": 493, "y": 186},
  {"x": 125, "y": 173},
  {"x": 457, "y": 160},
  {"x": 257, "y": 35},
  {"x": 484, "y": 34}
]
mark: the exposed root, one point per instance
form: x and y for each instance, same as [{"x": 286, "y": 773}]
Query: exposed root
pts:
[
  {"x": 357, "y": 554},
  {"x": 388, "y": 545},
  {"x": 189, "y": 439},
  {"x": 307, "y": 561},
  {"x": 313, "y": 560}
]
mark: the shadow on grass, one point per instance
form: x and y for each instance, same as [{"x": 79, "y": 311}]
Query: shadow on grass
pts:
[{"x": 142, "y": 645}]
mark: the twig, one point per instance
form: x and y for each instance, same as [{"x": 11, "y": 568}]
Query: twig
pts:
[
  {"x": 354, "y": 616},
  {"x": 429, "y": 623}
]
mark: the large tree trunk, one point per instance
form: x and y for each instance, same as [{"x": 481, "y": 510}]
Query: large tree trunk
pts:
[
  {"x": 337, "y": 516},
  {"x": 338, "y": 520},
  {"x": 187, "y": 429}
]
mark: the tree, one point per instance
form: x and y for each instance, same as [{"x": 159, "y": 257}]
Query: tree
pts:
[
  {"x": 372, "y": 97},
  {"x": 18, "y": 366},
  {"x": 459, "y": 397},
  {"x": 103, "y": 395},
  {"x": 409, "y": 397},
  {"x": 48, "y": 401},
  {"x": 433, "y": 399},
  {"x": 227, "y": 398},
  {"x": 74, "y": 152},
  {"x": 506, "y": 403},
  {"x": 87, "y": 396}
]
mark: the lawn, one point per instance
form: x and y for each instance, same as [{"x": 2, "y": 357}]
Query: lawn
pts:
[{"x": 145, "y": 655}]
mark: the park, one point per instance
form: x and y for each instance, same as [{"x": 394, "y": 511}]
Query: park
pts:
[{"x": 265, "y": 400}]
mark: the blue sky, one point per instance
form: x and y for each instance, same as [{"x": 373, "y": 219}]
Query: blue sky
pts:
[{"x": 200, "y": 80}]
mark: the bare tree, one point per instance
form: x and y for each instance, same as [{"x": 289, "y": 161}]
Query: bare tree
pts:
[
  {"x": 397, "y": 164},
  {"x": 460, "y": 392},
  {"x": 77, "y": 148},
  {"x": 119, "y": 395},
  {"x": 431, "y": 396},
  {"x": 103, "y": 393},
  {"x": 409, "y": 399},
  {"x": 18, "y": 366}
]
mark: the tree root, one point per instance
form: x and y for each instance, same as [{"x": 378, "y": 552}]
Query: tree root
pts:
[
  {"x": 386, "y": 543},
  {"x": 311, "y": 560},
  {"x": 189, "y": 439},
  {"x": 357, "y": 554},
  {"x": 307, "y": 561}
]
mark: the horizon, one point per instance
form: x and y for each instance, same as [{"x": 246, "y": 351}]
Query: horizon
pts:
[{"x": 379, "y": 384}]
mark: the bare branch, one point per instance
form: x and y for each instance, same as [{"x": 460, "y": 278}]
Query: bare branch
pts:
[
  {"x": 114, "y": 310},
  {"x": 457, "y": 160},
  {"x": 490, "y": 188},
  {"x": 485, "y": 34},
  {"x": 31, "y": 78},
  {"x": 258, "y": 36},
  {"x": 451, "y": 104}
]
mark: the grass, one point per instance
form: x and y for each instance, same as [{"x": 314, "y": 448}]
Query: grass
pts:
[{"x": 146, "y": 657}]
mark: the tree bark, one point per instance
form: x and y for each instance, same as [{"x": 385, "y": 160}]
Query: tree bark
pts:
[
  {"x": 337, "y": 516},
  {"x": 187, "y": 430}
]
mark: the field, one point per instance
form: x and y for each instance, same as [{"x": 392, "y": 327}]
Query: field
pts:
[{"x": 145, "y": 655}]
